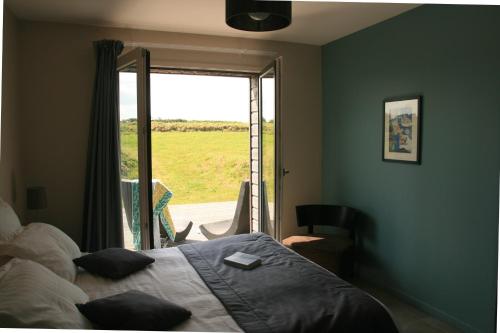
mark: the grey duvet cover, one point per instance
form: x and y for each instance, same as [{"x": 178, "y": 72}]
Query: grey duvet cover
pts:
[{"x": 287, "y": 293}]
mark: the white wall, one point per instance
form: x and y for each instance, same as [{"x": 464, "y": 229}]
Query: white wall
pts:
[
  {"x": 56, "y": 80},
  {"x": 12, "y": 187}
]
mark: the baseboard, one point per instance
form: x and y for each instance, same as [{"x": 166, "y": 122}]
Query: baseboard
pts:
[{"x": 423, "y": 306}]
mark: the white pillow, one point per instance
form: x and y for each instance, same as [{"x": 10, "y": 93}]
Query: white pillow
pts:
[
  {"x": 34, "y": 297},
  {"x": 9, "y": 222},
  {"x": 36, "y": 243},
  {"x": 60, "y": 238}
]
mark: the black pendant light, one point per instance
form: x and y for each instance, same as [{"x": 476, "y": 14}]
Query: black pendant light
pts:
[{"x": 252, "y": 15}]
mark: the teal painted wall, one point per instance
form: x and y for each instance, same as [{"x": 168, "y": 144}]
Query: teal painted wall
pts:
[{"x": 430, "y": 231}]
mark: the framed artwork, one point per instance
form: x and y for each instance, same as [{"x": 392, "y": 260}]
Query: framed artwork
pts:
[{"x": 402, "y": 129}]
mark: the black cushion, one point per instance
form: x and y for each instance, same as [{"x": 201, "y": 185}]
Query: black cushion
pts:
[
  {"x": 114, "y": 263},
  {"x": 133, "y": 310}
]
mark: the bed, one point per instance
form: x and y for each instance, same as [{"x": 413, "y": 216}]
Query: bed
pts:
[
  {"x": 286, "y": 293},
  {"x": 171, "y": 277}
]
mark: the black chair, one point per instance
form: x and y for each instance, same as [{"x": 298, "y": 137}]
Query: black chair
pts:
[{"x": 333, "y": 250}]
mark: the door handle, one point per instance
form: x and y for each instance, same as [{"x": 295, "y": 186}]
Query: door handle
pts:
[{"x": 285, "y": 171}]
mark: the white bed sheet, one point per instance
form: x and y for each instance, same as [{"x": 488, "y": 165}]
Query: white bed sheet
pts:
[{"x": 172, "y": 278}]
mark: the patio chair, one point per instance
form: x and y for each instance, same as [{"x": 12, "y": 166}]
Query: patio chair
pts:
[
  {"x": 161, "y": 214},
  {"x": 240, "y": 224},
  {"x": 268, "y": 224}
]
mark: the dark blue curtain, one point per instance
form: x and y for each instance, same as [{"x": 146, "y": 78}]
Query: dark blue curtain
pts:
[{"x": 102, "y": 225}]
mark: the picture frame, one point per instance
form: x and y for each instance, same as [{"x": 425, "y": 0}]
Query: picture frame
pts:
[{"x": 402, "y": 129}]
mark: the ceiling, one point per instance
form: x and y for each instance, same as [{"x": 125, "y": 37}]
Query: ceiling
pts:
[{"x": 315, "y": 23}]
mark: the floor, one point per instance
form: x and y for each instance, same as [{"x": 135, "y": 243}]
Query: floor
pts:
[
  {"x": 197, "y": 213},
  {"x": 409, "y": 318},
  {"x": 201, "y": 214}
]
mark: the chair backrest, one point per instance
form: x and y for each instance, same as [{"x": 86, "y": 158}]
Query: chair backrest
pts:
[
  {"x": 331, "y": 215},
  {"x": 126, "y": 191},
  {"x": 268, "y": 224},
  {"x": 126, "y": 187},
  {"x": 241, "y": 219}
]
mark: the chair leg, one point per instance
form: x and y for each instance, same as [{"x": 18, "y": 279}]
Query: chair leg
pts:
[{"x": 180, "y": 236}]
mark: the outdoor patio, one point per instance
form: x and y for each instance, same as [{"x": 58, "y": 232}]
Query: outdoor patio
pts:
[{"x": 197, "y": 213}]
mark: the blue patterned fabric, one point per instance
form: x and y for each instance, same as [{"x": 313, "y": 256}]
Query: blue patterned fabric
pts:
[
  {"x": 136, "y": 226},
  {"x": 161, "y": 197}
]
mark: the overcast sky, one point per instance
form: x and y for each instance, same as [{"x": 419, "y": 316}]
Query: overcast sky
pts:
[{"x": 193, "y": 97}]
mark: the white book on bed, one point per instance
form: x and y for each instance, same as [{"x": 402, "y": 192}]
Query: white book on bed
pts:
[{"x": 242, "y": 260}]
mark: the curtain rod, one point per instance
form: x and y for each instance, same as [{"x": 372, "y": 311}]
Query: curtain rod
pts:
[{"x": 214, "y": 49}]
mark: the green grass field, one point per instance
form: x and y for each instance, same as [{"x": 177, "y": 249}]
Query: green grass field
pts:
[{"x": 197, "y": 164}]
